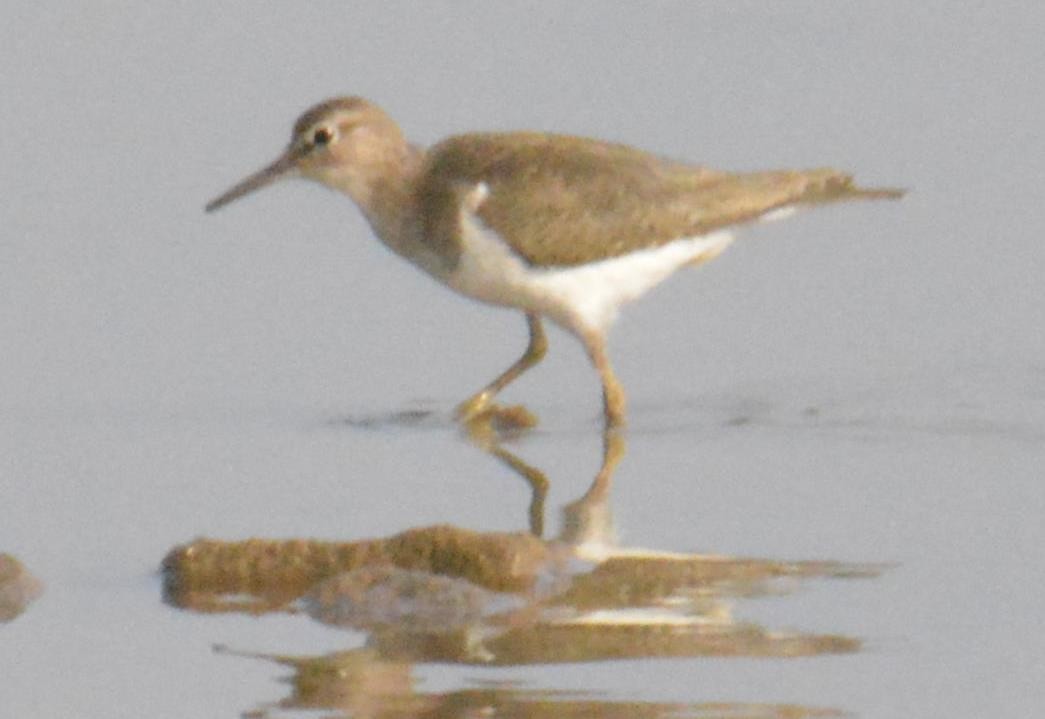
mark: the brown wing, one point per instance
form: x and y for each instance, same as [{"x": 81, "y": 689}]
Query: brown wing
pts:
[{"x": 560, "y": 200}]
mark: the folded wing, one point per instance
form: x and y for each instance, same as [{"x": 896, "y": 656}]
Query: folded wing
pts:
[{"x": 558, "y": 200}]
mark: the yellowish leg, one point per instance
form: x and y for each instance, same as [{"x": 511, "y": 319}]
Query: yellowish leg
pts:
[
  {"x": 613, "y": 402},
  {"x": 535, "y": 351}
]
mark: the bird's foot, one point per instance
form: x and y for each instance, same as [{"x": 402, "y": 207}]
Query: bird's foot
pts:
[
  {"x": 474, "y": 406},
  {"x": 482, "y": 417}
]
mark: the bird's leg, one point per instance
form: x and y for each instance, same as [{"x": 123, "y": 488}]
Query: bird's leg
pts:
[
  {"x": 535, "y": 351},
  {"x": 613, "y": 401}
]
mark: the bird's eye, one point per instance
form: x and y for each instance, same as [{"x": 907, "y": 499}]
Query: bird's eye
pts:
[{"x": 322, "y": 136}]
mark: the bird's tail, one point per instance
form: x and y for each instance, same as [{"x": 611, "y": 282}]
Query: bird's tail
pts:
[{"x": 827, "y": 185}]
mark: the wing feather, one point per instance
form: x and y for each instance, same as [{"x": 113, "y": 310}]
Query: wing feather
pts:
[{"x": 558, "y": 200}]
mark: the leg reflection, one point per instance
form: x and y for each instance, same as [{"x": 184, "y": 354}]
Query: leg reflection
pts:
[{"x": 587, "y": 520}]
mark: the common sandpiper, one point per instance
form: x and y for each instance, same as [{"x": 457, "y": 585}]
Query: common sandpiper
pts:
[{"x": 560, "y": 227}]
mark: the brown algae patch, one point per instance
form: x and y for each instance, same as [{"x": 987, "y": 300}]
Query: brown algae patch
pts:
[{"x": 207, "y": 574}]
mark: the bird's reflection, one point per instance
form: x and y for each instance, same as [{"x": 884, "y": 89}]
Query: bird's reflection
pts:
[{"x": 452, "y": 595}]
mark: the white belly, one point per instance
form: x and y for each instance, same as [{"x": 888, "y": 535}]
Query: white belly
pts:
[{"x": 584, "y": 297}]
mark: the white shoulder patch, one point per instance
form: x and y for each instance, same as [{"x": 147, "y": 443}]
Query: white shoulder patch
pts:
[{"x": 476, "y": 196}]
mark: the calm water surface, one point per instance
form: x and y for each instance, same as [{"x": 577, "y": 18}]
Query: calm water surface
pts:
[
  {"x": 829, "y": 497},
  {"x": 853, "y": 551}
]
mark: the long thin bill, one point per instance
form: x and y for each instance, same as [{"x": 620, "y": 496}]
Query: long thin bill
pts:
[{"x": 285, "y": 166}]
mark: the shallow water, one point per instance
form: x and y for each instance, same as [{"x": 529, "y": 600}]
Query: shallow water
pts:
[
  {"x": 909, "y": 494},
  {"x": 850, "y": 402}
]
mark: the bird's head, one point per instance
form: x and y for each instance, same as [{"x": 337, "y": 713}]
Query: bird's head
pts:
[{"x": 346, "y": 143}]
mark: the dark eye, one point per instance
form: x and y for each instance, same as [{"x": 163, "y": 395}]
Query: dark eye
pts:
[{"x": 322, "y": 136}]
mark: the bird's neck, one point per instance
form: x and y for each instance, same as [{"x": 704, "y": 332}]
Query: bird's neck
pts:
[
  {"x": 389, "y": 203},
  {"x": 386, "y": 194}
]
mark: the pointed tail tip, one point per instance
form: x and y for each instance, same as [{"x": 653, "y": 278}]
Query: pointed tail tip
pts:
[
  {"x": 883, "y": 193},
  {"x": 830, "y": 185},
  {"x": 844, "y": 187}
]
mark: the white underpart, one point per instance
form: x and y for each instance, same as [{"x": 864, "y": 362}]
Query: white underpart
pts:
[
  {"x": 778, "y": 214},
  {"x": 580, "y": 298}
]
